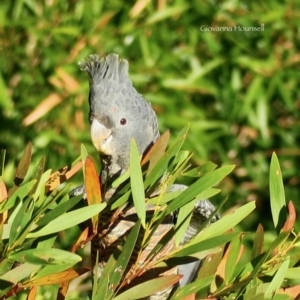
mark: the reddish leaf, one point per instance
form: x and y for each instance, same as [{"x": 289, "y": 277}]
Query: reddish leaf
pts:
[
  {"x": 293, "y": 291},
  {"x": 92, "y": 187},
  {"x": 61, "y": 176},
  {"x": 290, "y": 222},
  {"x": 3, "y": 190}
]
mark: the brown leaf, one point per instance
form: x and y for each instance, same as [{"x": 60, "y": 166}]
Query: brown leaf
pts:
[
  {"x": 43, "y": 108},
  {"x": 82, "y": 239},
  {"x": 92, "y": 187},
  {"x": 62, "y": 175},
  {"x": 290, "y": 222},
  {"x": 293, "y": 291},
  {"x": 57, "y": 278},
  {"x": 70, "y": 84}
]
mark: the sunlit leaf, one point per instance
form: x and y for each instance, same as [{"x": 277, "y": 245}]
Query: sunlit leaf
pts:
[
  {"x": 92, "y": 187},
  {"x": 137, "y": 185},
  {"x": 277, "y": 196},
  {"x": 148, "y": 288},
  {"x": 68, "y": 220},
  {"x": 43, "y": 256}
]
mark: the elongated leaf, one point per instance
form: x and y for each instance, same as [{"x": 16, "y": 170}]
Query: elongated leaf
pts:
[
  {"x": 225, "y": 223},
  {"x": 277, "y": 280},
  {"x": 191, "y": 288},
  {"x": 125, "y": 255},
  {"x": 137, "y": 185},
  {"x": 59, "y": 210},
  {"x": 258, "y": 243},
  {"x": 161, "y": 166},
  {"x": 43, "y": 256},
  {"x": 277, "y": 196},
  {"x": 92, "y": 187},
  {"x": 62, "y": 175},
  {"x": 20, "y": 273},
  {"x": 40, "y": 188},
  {"x": 201, "y": 171},
  {"x": 156, "y": 151},
  {"x": 183, "y": 219},
  {"x": 19, "y": 195},
  {"x": 234, "y": 252},
  {"x": 148, "y": 288},
  {"x": 55, "y": 278},
  {"x": 22, "y": 168},
  {"x": 38, "y": 173},
  {"x": 19, "y": 223},
  {"x": 68, "y": 220},
  {"x": 192, "y": 248},
  {"x": 202, "y": 184}
]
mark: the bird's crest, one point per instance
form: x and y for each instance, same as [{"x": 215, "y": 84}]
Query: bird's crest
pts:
[{"x": 105, "y": 69}]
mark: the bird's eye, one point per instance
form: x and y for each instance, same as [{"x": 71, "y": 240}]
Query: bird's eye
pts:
[{"x": 123, "y": 121}]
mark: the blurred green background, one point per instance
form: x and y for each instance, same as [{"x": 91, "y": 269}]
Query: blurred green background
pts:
[{"x": 238, "y": 89}]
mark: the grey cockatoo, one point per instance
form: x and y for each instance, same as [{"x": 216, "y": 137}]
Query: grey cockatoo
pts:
[{"x": 118, "y": 114}]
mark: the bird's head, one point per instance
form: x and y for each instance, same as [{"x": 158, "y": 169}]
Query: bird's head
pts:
[{"x": 117, "y": 112}]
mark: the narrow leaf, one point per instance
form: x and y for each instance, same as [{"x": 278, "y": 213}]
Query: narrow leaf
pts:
[
  {"x": 62, "y": 175},
  {"x": 148, "y": 288},
  {"x": 49, "y": 256},
  {"x": 22, "y": 168},
  {"x": 225, "y": 223},
  {"x": 258, "y": 243},
  {"x": 57, "y": 278},
  {"x": 277, "y": 280},
  {"x": 202, "y": 184},
  {"x": 277, "y": 197},
  {"x": 68, "y": 220},
  {"x": 137, "y": 185},
  {"x": 156, "y": 151},
  {"x": 92, "y": 187}
]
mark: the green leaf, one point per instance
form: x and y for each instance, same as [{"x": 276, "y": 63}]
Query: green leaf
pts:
[
  {"x": 232, "y": 259},
  {"x": 125, "y": 254},
  {"x": 68, "y": 220},
  {"x": 161, "y": 166},
  {"x": 277, "y": 197},
  {"x": 278, "y": 279},
  {"x": 192, "y": 288},
  {"x": 202, "y": 184},
  {"x": 18, "y": 195},
  {"x": 225, "y": 223},
  {"x": 44, "y": 256},
  {"x": 59, "y": 210},
  {"x": 148, "y": 288},
  {"x": 137, "y": 185},
  {"x": 19, "y": 223},
  {"x": 20, "y": 273},
  {"x": 202, "y": 170},
  {"x": 210, "y": 243}
]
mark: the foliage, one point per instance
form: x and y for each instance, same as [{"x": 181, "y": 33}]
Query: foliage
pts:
[
  {"x": 37, "y": 208},
  {"x": 238, "y": 89}
]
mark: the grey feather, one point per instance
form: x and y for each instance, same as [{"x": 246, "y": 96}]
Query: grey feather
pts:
[{"x": 112, "y": 98}]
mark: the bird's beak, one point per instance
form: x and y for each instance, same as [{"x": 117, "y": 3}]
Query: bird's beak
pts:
[{"x": 101, "y": 137}]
